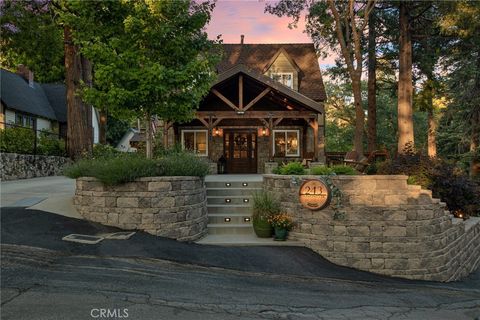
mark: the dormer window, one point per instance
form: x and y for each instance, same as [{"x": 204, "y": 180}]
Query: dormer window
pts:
[{"x": 285, "y": 78}]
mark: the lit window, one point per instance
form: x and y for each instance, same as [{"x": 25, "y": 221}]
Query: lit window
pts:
[
  {"x": 284, "y": 78},
  {"x": 286, "y": 143},
  {"x": 196, "y": 141}
]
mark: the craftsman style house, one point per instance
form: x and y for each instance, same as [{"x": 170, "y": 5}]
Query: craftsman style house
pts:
[{"x": 266, "y": 105}]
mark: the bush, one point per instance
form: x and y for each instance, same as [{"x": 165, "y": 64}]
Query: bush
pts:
[
  {"x": 50, "y": 144},
  {"x": 322, "y": 171},
  {"x": 183, "y": 164},
  {"x": 291, "y": 168},
  {"x": 336, "y": 169},
  {"x": 344, "y": 170},
  {"x": 264, "y": 205},
  {"x": 126, "y": 167},
  {"x": 104, "y": 151},
  {"x": 445, "y": 180},
  {"x": 17, "y": 140}
]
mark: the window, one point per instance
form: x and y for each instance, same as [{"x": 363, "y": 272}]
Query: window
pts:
[
  {"x": 286, "y": 143},
  {"x": 285, "y": 78},
  {"x": 196, "y": 141},
  {"x": 24, "y": 120}
]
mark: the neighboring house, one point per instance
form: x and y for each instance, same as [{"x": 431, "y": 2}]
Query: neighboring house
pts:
[
  {"x": 266, "y": 105},
  {"x": 27, "y": 103}
]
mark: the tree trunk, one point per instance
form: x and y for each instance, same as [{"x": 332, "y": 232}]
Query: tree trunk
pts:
[
  {"x": 102, "y": 127},
  {"x": 405, "y": 85},
  {"x": 432, "y": 134},
  {"x": 359, "y": 116},
  {"x": 372, "y": 85},
  {"x": 79, "y": 115},
  {"x": 148, "y": 136},
  {"x": 474, "y": 145}
]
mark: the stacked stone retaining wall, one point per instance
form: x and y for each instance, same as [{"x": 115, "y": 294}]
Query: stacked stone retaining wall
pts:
[
  {"x": 173, "y": 207},
  {"x": 385, "y": 226},
  {"x": 24, "y": 166}
]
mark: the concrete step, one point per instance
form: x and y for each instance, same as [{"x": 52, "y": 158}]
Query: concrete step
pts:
[
  {"x": 220, "y": 228},
  {"x": 235, "y": 218},
  {"x": 232, "y": 191},
  {"x": 229, "y": 200},
  {"x": 233, "y": 184},
  {"x": 221, "y": 208},
  {"x": 244, "y": 240}
]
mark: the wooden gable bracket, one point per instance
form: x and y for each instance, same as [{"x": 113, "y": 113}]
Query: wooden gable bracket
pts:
[
  {"x": 257, "y": 98},
  {"x": 225, "y": 99},
  {"x": 277, "y": 122}
]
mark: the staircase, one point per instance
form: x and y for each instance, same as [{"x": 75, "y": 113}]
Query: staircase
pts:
[{"x": 229, "y": 199}]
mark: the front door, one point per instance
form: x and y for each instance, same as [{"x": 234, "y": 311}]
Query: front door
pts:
[{"x": 240, "y": 147}]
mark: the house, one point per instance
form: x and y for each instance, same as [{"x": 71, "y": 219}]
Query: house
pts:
[
  {"x": 27, "y": 103},
  {"x": 266, "y": 105}
]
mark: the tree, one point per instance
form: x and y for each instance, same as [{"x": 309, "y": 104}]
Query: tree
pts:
[
  {"x": 341, "y": 26},
  {"x": 156, "y": 59},
  {"x": 32, "y": 37},
  {"x": 372, "y": 83}
]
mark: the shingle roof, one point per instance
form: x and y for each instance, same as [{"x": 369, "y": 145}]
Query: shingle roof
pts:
[
  {"x": 57, "y": 96},
  {"x": 258, "y": 56},
  {"x": 17, "y": 94}
]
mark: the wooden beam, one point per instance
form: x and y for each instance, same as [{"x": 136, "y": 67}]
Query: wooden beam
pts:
[
  {"x": 240, "y": 92},
  {"x": 224, "y": 99},
  {"x": 277, "y": 122},
  {"x": 270, "y": 139},
  {"x": 216, "y": 122},
  {"x": 202, "y": 120},
  {"x": 257, "y": 98},
  {"x": 257, "y": 114}
]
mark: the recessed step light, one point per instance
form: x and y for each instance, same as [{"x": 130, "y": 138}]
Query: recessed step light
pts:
[
  {"x": 245, "y": 184},
  {"x": 228, "y": 200},
  {"x": 227, "y": 219},
  {"x": 246, "y": 219},
  {"x": 228, "y": 184},
  {"x": 245, "y": 200}
]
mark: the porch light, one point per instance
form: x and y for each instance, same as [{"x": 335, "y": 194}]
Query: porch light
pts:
[
  {"x": 262, "y": 132},
  {"x": 217, "y": 132}
]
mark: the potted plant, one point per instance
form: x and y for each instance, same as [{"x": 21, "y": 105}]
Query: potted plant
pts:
[
  {"x": 264, "y": 206},
  {"x": 282, "y": 223}
]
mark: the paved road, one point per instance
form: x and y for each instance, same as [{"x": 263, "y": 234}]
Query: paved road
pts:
[{"x": 154, "y": 278}]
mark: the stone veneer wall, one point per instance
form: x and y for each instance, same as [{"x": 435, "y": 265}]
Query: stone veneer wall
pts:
[
  {"x": 389, "y": 228},
  {"x": 172, "y": 207},
  {"x": 24, "y": 166}
]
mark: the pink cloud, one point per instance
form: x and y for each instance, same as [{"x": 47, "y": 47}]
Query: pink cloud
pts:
[{"x": 234, "y": 18}]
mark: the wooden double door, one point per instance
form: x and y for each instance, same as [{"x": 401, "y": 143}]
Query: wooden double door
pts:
[{"x": 240, "y": 149}]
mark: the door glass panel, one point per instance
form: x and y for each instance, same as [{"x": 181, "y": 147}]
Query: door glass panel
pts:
[
  {"x": 240, "y": 146},
  {"x": 201, "y": 142},
  {"x": 227, "y": 146}
]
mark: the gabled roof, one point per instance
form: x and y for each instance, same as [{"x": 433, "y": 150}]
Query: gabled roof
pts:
[
  {"x": 257, "y": 56},
  {"x": 274, "y": 58},
  {"x": 57, "y": 96},
  {"x": 240, "y": 68},
  {"x": 17, "y": 94}
]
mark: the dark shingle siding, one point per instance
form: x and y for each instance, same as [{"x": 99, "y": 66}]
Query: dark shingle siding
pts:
[
  {"x": 18, "y": 95},
  {"x": 257, "y": 56}
]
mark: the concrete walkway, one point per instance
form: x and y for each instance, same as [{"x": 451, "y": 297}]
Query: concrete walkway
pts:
[{"x": 50, "y": 194}]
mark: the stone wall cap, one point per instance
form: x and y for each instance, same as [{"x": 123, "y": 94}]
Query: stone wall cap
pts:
[
  {"x": 151, "y": 179},
  {"x": 340, "y": 177}
]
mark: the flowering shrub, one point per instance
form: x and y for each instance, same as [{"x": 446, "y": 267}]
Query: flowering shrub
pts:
[{"x": 281, "y": 220}]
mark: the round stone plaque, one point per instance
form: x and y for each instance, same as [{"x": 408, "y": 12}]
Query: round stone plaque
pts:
[{"x": 315, "y": 194}]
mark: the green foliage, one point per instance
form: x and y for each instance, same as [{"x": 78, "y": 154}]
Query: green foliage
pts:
[
  {"x": 445, "y": 180},
  {"x": 183, "y": 164},
  {"x": 116, "y": 129},
  {"x": 50, "y": 144},
  {"x": 31, "y": 36},
  {"x": 294, "y": 167},
  {"x": 101, "y": 151},
  {"x": 149, "y": 57},
  {"x": 113, "y": 171},
  {"x": 264, "y": 205},
  {"x": 321, "y": 171},
  {"x": 112, "y": 167},
  {"x": 17, "y": 140}
]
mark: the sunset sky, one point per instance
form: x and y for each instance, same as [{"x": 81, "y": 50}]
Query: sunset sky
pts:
[{"x": 233, "y": 18}]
